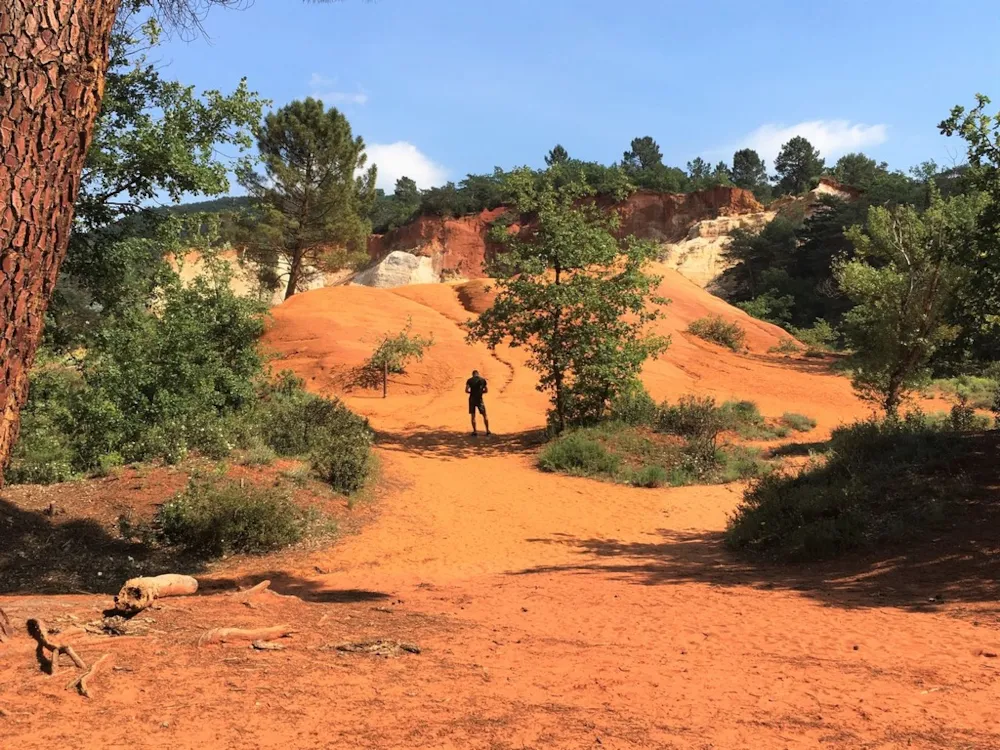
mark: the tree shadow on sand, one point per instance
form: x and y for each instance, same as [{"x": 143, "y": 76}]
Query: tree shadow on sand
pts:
[
  {"x": 457, "y": 445},
  {"x": 957, "y": 561},
  {"x": 920, "y": 578},
  {"x": 40, "y": 553}
]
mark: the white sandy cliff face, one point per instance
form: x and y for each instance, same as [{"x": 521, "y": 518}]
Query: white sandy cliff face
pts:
[
  {"x": 699, "y": 256},
  {"x": 398, "y": 268}
]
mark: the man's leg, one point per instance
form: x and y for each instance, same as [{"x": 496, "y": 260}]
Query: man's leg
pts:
[
  {"x": 486, "y": 419},
  {"x": 472, "y": 415}
]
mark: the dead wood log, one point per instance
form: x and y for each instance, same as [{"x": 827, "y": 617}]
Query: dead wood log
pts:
[
  {"x": 139, "y": 593},
  {"x": 80, "y": 683},
  {"x": 38, "y": 631},
  {"x": 229, "y": 635},
  {"x": 244, "y": 596}
]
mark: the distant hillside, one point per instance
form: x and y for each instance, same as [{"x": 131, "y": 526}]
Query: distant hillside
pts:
[{"x": 228, "y": 203}]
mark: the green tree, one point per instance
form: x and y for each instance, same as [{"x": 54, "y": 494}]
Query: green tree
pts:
[
  {"x": 644, "y": 154},
  {"x": 797, "y": 165},
  {"x": 573, "y": 293},
  {"x": 391, "y": 355},
  {"x": 152, "y": 137},
  {"x": 980, "y": 296},
  {"x": 312, "y": 210},
  {"x": 858, "y": 170},
  {"x": 906, "y": 270},
  {"x": 749, "y": 171},
  {"x": 557, "y": 155}
]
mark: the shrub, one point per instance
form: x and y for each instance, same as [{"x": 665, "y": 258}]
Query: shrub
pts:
[
  {"x": 797, "y": 422},
  {"x": 578, "y": 453},
  {"x": 43, "y": 455},
  {"x": 336, "y": 441},
  {"x": 258, "y": 455},
  {"x": 692, "y": 417},
  {"x": 108, "y": 464},
  {"x": 649, "y": 476},
  {"x": 718, "y": 331},
  {"x": 786, "y": 345},
  {"x": 977, "y": 391},
  {"x": 391, "y": 354},
  {"x": 217, "y": 519},
  {"x": 342, "y": 459},
  {"x": 634, "y": 406},
  {"x": 821, "y": 337},
  {"x": 872, "y": 488}
]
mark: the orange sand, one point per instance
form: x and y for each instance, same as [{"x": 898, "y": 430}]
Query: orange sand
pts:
[{"x": 553, "y": 612}]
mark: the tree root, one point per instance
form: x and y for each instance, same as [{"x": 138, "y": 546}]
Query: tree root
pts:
[
  {"x": 229, "y": 635},
  {"x": 245, "y": 596},
  {"x": 80, "y": 683},
  {"x": 139, "y": 593},
  {"x": 38, "y": 631}
]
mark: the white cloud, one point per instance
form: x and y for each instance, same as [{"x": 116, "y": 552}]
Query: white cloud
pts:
[
  {"x": 402, "y": 159},
  {"x": 322, "y": 88},
  {"x": 833, "y": 138}
]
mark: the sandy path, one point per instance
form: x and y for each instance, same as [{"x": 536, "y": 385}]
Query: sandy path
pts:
[{"x": 555, "y": 612}]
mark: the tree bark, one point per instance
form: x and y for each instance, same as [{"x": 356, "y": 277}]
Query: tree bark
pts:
[{"x": 53, "y": 58}]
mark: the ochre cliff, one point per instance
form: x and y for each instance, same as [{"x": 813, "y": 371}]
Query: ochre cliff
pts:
[{"x": 458, "y": 248}]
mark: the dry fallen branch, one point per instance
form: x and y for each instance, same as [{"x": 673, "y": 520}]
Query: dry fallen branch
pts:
[
  {"x": 139, "y": 593},
  {"x": 80, "y": 683},
  {"x": 267, "y": 646},
  {"x": 229, "y": 635},
  {"x": 244, "y": 596},
  {"x": 6, "y": 629},
  {"x": 379, "y": 647},
  {"x": 38, "y": 631}
]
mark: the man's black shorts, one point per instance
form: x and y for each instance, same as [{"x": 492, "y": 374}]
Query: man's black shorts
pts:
[{"x": 477, "y": 404}]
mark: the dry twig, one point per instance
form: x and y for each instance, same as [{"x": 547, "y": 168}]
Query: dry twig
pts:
[
  {"x": 80, "y": 683},
  {"x": 38, "y": 631}
]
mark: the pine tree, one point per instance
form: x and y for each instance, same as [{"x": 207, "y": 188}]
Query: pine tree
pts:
[
  {"x": 311, "y": 207},
  {"x": 797, "y": 165},
  {"x": 557, "y": 155},
  {"x": 749, "y": 171}
]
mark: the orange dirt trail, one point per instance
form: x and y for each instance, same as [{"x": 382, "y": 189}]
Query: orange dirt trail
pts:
[{"x": 553, "y": 612}]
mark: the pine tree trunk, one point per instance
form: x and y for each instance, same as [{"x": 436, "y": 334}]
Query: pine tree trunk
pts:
[{"x": 53, "y": 57}]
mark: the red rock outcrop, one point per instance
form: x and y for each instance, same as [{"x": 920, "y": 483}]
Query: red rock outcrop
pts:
[{"x": 459, "y": 247}]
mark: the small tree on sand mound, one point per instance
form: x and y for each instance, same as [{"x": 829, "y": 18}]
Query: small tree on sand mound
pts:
[
  {"x": 572, "y": 292},
  {"x": 391, "y": 355}
]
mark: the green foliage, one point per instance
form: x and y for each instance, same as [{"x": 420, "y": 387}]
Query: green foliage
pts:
[
  {"x": 557, "y": 155},
  {"x": 311, "y": 209},
  {"x": 978, "y": 299},
  {"x": 820, "y": 337},
  {"x": 797, "y": 165},
  {"x": 798, "y": 422},
  {"x": 216, "y": 519},
  {"x": 630, "y": 455},
  {"x": 571, "y": 292},
  {"x": 978, "y": 391},
  {"x": 715, "y": 329},
  {"x": 634, "y": 406},
  {"x": 902, "y": 280},
  {"x": 755, "y": 253},
  {"x": 858, "y": 170},
  {"x": 750, "y": 173},
  {"x": 580, "y": 454},
  {"x": 873, "y": 488},
  {"x": 393, "y": 352},
  {"x": 770, "y": 307},
  {"x": 695, "y": 418},
  {"x": 786, "y": 346}
]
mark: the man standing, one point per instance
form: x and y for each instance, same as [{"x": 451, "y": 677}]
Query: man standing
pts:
[{"x": 476, "y": 386}]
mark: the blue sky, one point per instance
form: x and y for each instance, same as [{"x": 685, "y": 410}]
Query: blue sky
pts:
[{"x": 442, "y": 88}]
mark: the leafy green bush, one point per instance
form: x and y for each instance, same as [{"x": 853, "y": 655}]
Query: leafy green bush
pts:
[
  {"x": 692, "y": 417},
  {"x": 798, "y": 422},
  {"x": 978, "y": 391},
  {"x": 342, "y": 459},
  {"x": 718, "y": 331},
  {"x": 223, "y": 518},
  {"x": 786, "y": 345},
  {"x": 649, "y": 476},
  {"x": 258, "y": 455},
  {"x": 872, "y": 488},
  {"x": 821, "y": 337},
  {"x": 634, "y": 406},
  {"x": 44, "y": 452},
  {"x": 578, "y": 453}
]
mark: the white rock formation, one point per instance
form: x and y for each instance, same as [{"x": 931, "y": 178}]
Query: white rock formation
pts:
[
  {"x": 398, "y": 268},
  {"x": 699, "y": 255}
]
